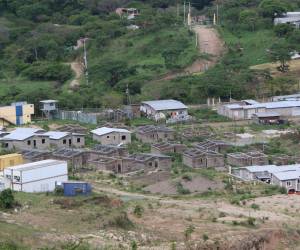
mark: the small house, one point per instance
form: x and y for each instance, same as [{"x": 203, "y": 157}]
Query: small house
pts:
[
  {"x": 167, "y": 147},
  {"x": 18, "y": 113},
  {"x": 213, "y": 145},
  {"x": 74, "y": 157},
  {"x": 40, "y": 176},
  {"x": 60, "y": 139},
  {"x": 153, "y": 134},
  {"x": 164, "y": 109},
  {"x": 111, "y": 136},
  {"x": 110, "y": 150},
  {"x": 36, "y": 155},
  {"x": 253, "y": 158},
  {"x": 196, "y": 158},
  {"x": 292, "y": 18},
  {"x": 287, "y": 179},
  {"x": 25, "y": 139}
]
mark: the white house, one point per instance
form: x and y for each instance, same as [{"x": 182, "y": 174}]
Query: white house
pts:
[
  {"x": 40, "y": 176},
  {"x": 289, "y": 18},
  {"x": 163, "y": 109},
  {"x": 111, "y": 136},
  {"x": 245, "y": 111}
]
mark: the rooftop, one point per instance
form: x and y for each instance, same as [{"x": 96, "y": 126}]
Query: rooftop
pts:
[
  {"x": 287, "y": 175},
  {"x": 21, "y": 134},
  {"x": 35, "y": 165},
  {"x": 49, "y": 101},
  {"x": 165, "y": 105},
  {"x": 106, "y": 130},
  {"x": 56, "y": 135}
]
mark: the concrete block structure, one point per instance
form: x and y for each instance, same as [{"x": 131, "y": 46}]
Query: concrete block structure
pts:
[
  {"x": 167, "y": 147},
  {"x": 17, "y": 113},
  {"x": 58, "y": 139},
  {"x": 253, "y": 158},
  {"x": 111, "y": 136},
  {"x": 213, "y": 145},
  {"x": 196, "y": 158},
  {"x": 25, "y": 139},
  {"x": 153, "y": 134},
  {"x": 132, "y": 163},
  {"x": 73, "y": 128},
  {"x": 110, "y": 150}
]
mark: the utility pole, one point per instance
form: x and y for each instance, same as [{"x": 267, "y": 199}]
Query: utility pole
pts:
[
  {"x": 189, "y": 20},
  {"x": 128, "y": 95},
  {"x": 196, "y": 39},
  {"x": 184, "y": 12},
  {"x": 217, "y": 21},
  {"x": 85, "y": 61}
]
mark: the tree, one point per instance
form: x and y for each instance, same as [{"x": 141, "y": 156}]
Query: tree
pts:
[
  {"x": 7, "y": 199},
  {"x": 273, "y": 8},
  {"x": 283, "y": 29},
  {"x": 248, "y": 18},
  {"x": 281, "y": 51}
]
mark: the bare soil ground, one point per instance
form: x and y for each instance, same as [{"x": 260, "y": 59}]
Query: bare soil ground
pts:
[
  {"x": 197, "y": 184},
  {"x": 77, "y": 67},
  {"x": 210, "y": 44}
]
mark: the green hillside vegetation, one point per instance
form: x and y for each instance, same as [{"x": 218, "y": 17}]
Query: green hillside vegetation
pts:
[{"x": 37, "y": 39}]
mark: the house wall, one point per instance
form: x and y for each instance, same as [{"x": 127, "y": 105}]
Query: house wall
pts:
[
  {"x": 238, "y": 161},
  {"x": 4, "y": 123},
  {"x": 260, "y": 160},
  {"x": 155, "y": 137},
  {"x": 28, "y": 144},
  {"x": 10, "y": 160},
  {"x": 215, "y": 161},
  {"x": 113, "y": 138},
  {"x": 65, "y": 142},
  {"x": 293, "y": 183},
  {"x": 10, "y": 114}
]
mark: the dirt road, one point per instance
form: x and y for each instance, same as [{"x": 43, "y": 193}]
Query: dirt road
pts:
[
  {"x": 77, "y": 67},
  {"x": 210, "y": 45}
]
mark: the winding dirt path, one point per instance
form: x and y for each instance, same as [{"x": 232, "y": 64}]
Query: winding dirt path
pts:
[
  {"x": 77, "y": 67},
  {"x": 209, "y": 44}
]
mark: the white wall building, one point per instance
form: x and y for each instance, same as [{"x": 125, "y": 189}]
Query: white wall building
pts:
[
  {"x": 164, "y": 109},
  {"x": 111, "y": 136},
  {"x": 40, "y": 176},
  {"x": 289, "y": 18},
  {"x": 245, "y": 111}
]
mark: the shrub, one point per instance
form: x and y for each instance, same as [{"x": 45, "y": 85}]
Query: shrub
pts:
[
  {"x": 7, "y": 199},
  {"x": 251, "y": 221},
  {"x": 255, "y": 206},
  {"x": 181, "y": 189},
  {"x": 138, "y": 211},
  {"x": 205, "y": 237},
  {"x": 187, "y": 177}
]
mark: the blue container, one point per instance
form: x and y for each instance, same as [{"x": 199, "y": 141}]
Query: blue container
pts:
[{"x": 74, "y": 188}]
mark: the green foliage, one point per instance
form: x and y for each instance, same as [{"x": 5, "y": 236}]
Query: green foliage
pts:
[
  {"x": 138, "y": 211},
  {"x": 255, "y": 206},
  {"x": 281, "y": 51},
  {"x": 271, "y": 8},
  {"x": 48, "y": 71},
  {"x": 181, "y": 190},
  {"x": 207, "y": 115},
  {"x": 188, "y": 232},
  {"x": 7, "y": 199}
]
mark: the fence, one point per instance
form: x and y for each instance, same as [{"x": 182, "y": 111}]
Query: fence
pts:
[{"x": 79, "y": 116}]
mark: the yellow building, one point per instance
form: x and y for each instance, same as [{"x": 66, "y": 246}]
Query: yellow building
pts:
[
  {"x": 18, "y": 113},
  {"x": 10, "y": 160}
]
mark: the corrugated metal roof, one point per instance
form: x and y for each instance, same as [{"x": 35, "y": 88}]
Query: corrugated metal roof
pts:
[
  {"x": 21, "y": 134},
  {"x": 268, "y": 105},
  {"x": 273, "y": 168},
  {"x": 56, "y": 135},
  {"x": 287, "y": 175},
  {"x": 34, "y": 165},
  {"x": 105, "y": 130},
  {"x": 165, "y": 105},
  {"x": 48, "y": 101}
]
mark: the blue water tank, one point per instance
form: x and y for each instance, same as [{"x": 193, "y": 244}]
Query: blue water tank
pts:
[{"x": 73, "y": 188}]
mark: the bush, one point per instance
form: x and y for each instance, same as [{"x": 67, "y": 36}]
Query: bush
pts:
[
  {"x": 255, "y": 206},
  {"x": 205, "y": 237},
  {"x": 251, "y": 221},
  {"x": 138, "y": 211},
  {"x": 48, "y": 71},
  {"x": 187, "y": 177},
  {"x": 7, "y": 199},
  {"x": 181, "y": 189}
]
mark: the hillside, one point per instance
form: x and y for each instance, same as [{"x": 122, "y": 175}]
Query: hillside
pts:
[{"x": 37, "y": 42}]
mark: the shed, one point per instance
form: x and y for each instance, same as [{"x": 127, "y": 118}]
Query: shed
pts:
[
  {"x": 73, "y": 188},
  {"x": 10, "y": 160}
]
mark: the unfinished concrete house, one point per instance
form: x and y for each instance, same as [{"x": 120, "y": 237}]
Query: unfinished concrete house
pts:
[
  {"x": 25, "y": 139},
  {"x": 152, "y": 134},
  {"x": 75, "y": 157},
  {"x": 60, "y": 139},
  {"x": 111, "y": 136},
  {"x": 196, "y": 133},
  {"x": 36, "y": 155},
  {"x": 213, "y": 145},
  {"x": 167, "y": 147},
  {"x": 110, "y": 150},
  {"x": 196, "y": 158},
  {"x": 281, "y": 159},
  {"x": 73, "y": 128},
  {"x": 132, "y": 163},
  {"x": 253, "y": 158}
]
